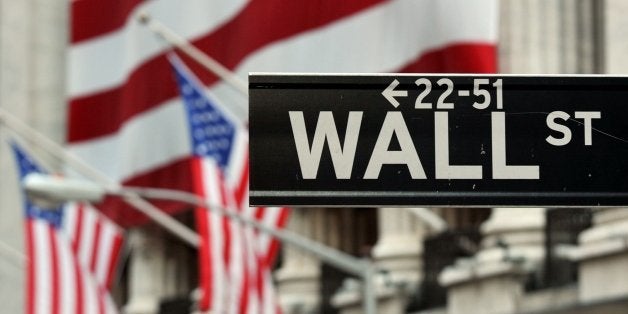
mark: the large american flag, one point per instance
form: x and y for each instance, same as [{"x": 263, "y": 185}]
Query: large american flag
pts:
[
  {"x": 235, "y": 260},
  {"x": 125, "y": 113},
  {"x": 72, "y": 255}
]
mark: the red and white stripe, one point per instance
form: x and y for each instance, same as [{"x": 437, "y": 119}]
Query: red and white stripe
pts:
[
  {"x": 124, "y": 103},
  {"x": 96, "y": 241},
  {"x": 215, "y": 235},
  {"x": 234, "y": 259},
  {"x": 58, "y": 281}
]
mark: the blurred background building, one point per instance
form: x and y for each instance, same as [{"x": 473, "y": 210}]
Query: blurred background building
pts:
[{"x": 486, "y": 260}]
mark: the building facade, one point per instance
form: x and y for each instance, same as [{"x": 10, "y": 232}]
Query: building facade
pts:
[{"x": 487, "y": 260}]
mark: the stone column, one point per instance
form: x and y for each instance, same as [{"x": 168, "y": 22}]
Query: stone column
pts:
[
  {"x": 399, "y": 249},
  {"x": 603, "y": 256},
  {"x": 146, "y": 270},
  {"x": 15, "y": 75},
  {"x": 33, "y": 41},
  {"x": 613, "y": 34},
  {"x": 398, "y": 254},
  {"x": 603, "y": 249},
  {"x": 514, "y": 234},
  {"x": 560, "y": 36},
  {"x": 492, "y": 281},
  {"x": 298, "y": 278}
]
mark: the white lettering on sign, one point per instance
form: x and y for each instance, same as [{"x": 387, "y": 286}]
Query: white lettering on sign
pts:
[
  {"x": 587, "y": 116},
  {"x": 390, "y": 93},
  {"x": 394, "y": 127},
  {"x": 419, "y": 104},
  {"x": 552, "y": 124},
  {"x": 498, "y": 140},
  {"x": 394, "y": 124},
  {"x": 310, "y": 157},
  {"x": 441, "y": 149}
]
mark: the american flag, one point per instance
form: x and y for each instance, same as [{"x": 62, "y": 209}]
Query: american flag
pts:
[
  {"x": 234, "y": 260},
  {"x": 126, "y": 116},
  {"x": 72, "y": 255}
]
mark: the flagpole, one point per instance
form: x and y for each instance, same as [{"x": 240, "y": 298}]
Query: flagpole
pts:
[
  {"x": 166, "y": 221},
  {"x": 191, "y": 51}
]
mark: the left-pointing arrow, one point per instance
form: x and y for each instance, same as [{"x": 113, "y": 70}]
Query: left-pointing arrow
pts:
[{"x": 390, "y": 93}]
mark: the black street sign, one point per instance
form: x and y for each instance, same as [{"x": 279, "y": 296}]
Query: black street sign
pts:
[{"x": 438, "y": 140}]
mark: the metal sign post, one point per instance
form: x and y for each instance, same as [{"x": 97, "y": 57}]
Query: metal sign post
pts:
[{"x": 438, "y": 140}]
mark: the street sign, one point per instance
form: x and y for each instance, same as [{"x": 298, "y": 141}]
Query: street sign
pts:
[{"x": 438, "y": 140}]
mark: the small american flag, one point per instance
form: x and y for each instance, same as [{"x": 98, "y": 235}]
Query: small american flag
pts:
[
  {"x": 72, "y": 255},
  {"x": 234, "y": 260}
]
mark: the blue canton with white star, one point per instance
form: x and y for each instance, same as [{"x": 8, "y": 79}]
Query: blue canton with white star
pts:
[
  {"x": 211, "y": 132},
  {"x": 26, "y": 165}
]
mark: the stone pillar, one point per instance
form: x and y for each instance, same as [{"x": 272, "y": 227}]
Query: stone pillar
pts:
[
  {"x": 613, "y": 35},
  {"x": 33, "y": 39},
  {"x": 298, "y": 278},
  {"x": 492, "y": 281},
  {"x": 146, "y": 270},
  {"x": 15, "y": 70},
  {"x": 603, "y": 256},
  {"x": 399, "y": 248},
  {"x": 514, "y": 234},
  {"x": 560, "y": 36},
  {"x": 603, "y": 249},
  {"x": 398, "y": 255}
]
